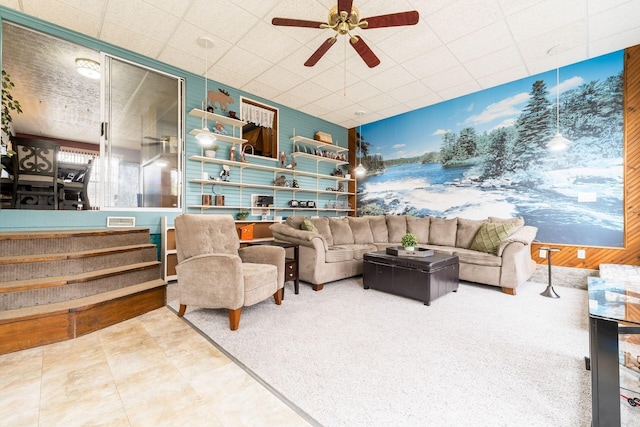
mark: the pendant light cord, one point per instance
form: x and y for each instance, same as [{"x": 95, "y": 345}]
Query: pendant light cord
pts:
[{"x": 557, "y": 92}]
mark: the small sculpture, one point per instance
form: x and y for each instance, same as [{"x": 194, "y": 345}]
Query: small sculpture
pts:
[
  {"x": 225, "y": 173},
  {"x": 295, "y": 184},
  {"x": 219, "y": 129},
  {"x": 281, "y": 181},
  {"x": 341, "y": 186},
  {"x": 283, "y": 159},
  {"x": 232, "y": 153}
]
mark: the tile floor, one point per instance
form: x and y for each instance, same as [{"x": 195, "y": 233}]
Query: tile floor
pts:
[{"x": 153, "y": 370}]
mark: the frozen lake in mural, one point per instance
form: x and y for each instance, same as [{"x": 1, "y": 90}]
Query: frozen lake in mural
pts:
[{"x": 431, "y": 189}]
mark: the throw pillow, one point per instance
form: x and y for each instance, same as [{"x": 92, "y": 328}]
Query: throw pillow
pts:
[
  {"x": 490, "y": 235},
  {"x": 307, "y": 225},
  {"x": 342, "y": 234},
  {"x": 419, "y": 227},
  {"x": 443, "y": 231}
]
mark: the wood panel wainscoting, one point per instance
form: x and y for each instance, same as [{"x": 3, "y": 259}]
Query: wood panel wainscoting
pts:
[
  {"x": 630, "y": 254},
  {"x": 62, "y": 284}
]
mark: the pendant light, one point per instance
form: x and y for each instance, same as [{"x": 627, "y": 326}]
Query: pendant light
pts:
[
  {"x": 360, "y": 170},
  {"x": 204, "y": 136},
  {"x": 558, "y": 142}
]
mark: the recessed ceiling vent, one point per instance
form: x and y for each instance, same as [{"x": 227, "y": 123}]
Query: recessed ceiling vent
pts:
[{"x": 121, "y": 221}]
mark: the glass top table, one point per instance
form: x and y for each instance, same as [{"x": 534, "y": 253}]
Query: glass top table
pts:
[{"x": 614, "y": 299}]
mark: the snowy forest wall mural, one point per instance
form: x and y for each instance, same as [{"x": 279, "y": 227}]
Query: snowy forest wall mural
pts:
[{"x": 486, "y": 154}]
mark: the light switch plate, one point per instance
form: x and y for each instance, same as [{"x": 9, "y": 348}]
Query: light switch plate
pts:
[
  {"x": 543, "y": 253},
  {"x": 582, "y": 254}
]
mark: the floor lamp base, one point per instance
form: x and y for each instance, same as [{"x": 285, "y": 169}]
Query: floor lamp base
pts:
[{"x": 549, "y": 292}]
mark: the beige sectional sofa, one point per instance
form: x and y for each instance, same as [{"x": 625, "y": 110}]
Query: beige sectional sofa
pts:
[{"x": 335, "y": 250}]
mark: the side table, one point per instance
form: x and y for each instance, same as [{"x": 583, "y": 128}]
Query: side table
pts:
[{"x": 290, "y": 264}]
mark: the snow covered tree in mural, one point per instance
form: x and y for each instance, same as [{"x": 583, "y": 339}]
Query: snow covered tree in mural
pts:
[{"x": 534, "y": 128}]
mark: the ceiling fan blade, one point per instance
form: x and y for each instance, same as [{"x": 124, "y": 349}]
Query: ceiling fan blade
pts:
[
  {"x": 364, "y": 51},
  {"x": 345, "y": 5},
  {"x": 324, "y": 47},
  {"x": 392, "y": 20},
  {"x": 289, "y": 22}
]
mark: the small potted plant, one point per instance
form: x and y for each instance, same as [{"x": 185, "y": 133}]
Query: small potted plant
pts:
[
  {"x": 242, "y": 215},
  {"x": 211, "y": 151},
  {"x": 409, "y": 242}
]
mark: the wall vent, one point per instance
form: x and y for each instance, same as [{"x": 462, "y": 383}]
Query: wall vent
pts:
[{"x": 121, "y": 221}]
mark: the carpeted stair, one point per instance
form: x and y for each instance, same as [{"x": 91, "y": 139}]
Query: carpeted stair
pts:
[{"x": 58, "y": 285}]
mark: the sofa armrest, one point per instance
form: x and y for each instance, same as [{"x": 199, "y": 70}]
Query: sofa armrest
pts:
[
  {"x": 524, "y": 235},
  {"x": 301, "y": 237}
]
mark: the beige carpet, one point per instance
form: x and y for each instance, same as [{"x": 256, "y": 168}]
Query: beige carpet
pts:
[{"x": 478, "y": 357}]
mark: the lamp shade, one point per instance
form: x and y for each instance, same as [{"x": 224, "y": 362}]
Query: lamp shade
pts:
[
  {"x": 360, "y": 170},
  {"x": 558, "y": 142},
  {"x": 88, "y": 68},
  {"x": 205, "y": 137}
]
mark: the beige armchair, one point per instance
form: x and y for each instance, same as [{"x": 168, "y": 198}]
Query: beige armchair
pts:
[{"x": 214, "y": 272}]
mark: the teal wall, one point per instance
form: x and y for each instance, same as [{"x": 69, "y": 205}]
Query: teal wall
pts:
[{"x": 304, "y": 125}]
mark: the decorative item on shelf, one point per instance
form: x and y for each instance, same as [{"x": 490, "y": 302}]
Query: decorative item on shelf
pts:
[
  {"x": 331, "y": 204},
  {"x": 281, "y": 181},
  {"x": 242, "y": 215},
  {"x": 246, "y": 231},
  {"x": 295, "y": 184},
  {"x": 206, "y": 200},
  {"x": 219, "y": 129},
  {"x": 318, "y": 152},
  {"x": 232, "y": 114},
  {"x": 347, "y": 176},
  {"x": 293, "y": 204},
  {"x": 225, "y": 173},
  {"x": 205, "y": 176},
  {"x": 232, "y": 153},
  {"x": 211, "y": 151},
  {"x": 323, "y": 137},
  {"x": 283, "y": 159},
  {"x": 218, "y": 197},
  {"x": 243, "y": 157},
  {"x": 337, "y": 172},
  {"x": 292, "y": 165},
  {"x": 409, "y": 242},
  {"x": 210, "y": 109},
  {"x": 331, "y": 189},
  {"x": 221, "y": 97},
  {"x": 302, "y": 203},
  {"x": 341, "y": 187},
  {"x": 311, "y": 204},
  {"x": 264, "y": 201}
]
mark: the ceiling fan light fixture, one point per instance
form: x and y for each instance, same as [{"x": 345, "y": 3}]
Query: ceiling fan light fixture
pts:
[{"x": 88, "y": 68}]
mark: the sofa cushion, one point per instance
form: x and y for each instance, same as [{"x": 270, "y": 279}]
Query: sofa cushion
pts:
[
  {"x": 442, "y": 231},
  {"x": 419, "y": 227},
  {"x": 490, "y": 235},
  {"x": 360, "y": 250},
  {"x": 378, "y": 225},
  {"x": 338, "y": 254},
  {"x": 468, "y": 256},
  {"x": 322, "y": 224},
  {"x": 341, "y": 231},
  {"x": 361, "y": 229},
  {"x": 396, "y": 227},
  {"x": 467, "y": 229},
  {"x": 307, "y": 225}
]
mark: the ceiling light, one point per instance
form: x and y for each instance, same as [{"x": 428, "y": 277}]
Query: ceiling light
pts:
[
  {"x": 204, "y": 136},
  {"x": 360, "y": 170},
  {"x": 88, "y": 68},
  {"x": 558, "y": 142}
]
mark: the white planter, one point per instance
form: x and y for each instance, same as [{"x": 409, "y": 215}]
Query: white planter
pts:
[
  {"x": 210, "y": 153},
  {"x": 409, "y": 248}
]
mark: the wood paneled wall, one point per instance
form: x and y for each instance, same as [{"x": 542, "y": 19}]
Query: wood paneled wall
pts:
[{"x": 631, "y": 253}]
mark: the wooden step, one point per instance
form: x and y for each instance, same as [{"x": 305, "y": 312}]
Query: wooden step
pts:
[{"x": 46, "y": 324}]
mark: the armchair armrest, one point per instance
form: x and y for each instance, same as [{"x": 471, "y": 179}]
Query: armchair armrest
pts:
[{"x": 263, "y": 254}]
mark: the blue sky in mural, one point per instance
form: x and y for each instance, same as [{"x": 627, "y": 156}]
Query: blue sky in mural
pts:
[{"x": 420, "y": 131}]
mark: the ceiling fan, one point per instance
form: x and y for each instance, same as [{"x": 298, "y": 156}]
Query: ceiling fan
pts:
[{"x": 342, "y": 19}]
